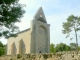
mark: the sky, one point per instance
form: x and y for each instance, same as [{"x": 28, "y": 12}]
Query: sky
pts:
[{"x": 56, "y": 12}]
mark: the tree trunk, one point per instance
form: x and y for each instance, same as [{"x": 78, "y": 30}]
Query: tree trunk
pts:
[{"x": 76, "y": 39}]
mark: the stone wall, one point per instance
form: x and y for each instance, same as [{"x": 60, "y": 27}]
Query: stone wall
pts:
[{"x": 57, "y": 56}]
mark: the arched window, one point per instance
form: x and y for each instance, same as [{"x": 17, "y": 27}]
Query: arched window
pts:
[
  {"x": 13, "y": 48},
  {"x": 21, "y": 47}
]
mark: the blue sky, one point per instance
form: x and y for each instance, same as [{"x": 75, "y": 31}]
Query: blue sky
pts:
[{"x": 56, "y": 12}]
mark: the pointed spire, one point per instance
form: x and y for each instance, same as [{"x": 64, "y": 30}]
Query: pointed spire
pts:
[{"x": 40, "y": 15}]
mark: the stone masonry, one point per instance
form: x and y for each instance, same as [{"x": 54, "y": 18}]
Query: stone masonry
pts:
[{"x": 71, "y": 55}]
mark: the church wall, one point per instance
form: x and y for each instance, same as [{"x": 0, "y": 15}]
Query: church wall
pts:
[
  {"x": 9, "y": 43},
  {"x": 42, "y": 39},
  {"x": 25, "y": 38}
]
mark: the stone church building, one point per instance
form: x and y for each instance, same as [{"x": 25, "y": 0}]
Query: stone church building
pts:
[{"x": 36, "y": 39}]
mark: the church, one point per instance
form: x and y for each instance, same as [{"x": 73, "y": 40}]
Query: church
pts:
[{"x": 36, "y": 39}]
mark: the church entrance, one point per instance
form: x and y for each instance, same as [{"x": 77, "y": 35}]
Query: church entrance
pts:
[{"x": 39, "y": 51}]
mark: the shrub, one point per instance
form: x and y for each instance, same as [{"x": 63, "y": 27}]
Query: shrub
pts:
[{"x": 19, "y": 56}]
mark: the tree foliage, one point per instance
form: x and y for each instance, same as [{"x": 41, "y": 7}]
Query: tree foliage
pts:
[
  {"x": 10, "y": 12},
  {"x": 52, "y": 48},
  {"x": 72, "y": 24},
  {"x": 73, "y": 46},
  {"x": 2, "y": 49},
  {"x": 62, "y": 47}
]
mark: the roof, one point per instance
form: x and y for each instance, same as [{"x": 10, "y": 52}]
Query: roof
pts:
[
  {"x": 23, "y": 31},
  {"x": 40, "y": 15},
  {"x": 15, "y": 35}
]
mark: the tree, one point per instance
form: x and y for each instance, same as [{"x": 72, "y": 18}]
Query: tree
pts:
[
  {"x": 52, "y": 48},
  {"x": 62, "y": 47},
  {"x": 73, "y": 46},
  {"x": 10, "y": 12},
  {"x": 72, "y": 24},
  {"x": 2, "y": 49},
  {"x": 59, "y": 47},
  {"x": 79, "y": 48}
]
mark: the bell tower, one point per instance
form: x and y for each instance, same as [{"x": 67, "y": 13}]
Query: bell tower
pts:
[{"x": 40, "y": 33}]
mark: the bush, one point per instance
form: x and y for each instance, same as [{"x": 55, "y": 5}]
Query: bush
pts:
[
  {"x": 45, "y": 56},
  {"x": 18, "y": 56}
]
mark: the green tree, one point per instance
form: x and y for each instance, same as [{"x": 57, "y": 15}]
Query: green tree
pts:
[
  {"x": 73, "y": 46},
  {"x": 62, "y": 47},
  {"x": 72, "y": 24},
  {"x": 52, "y": 48},
  {"x": 10, "y": 12},
  {"x": 2, "y": 49},
  {"x": 78, "y": 47}
]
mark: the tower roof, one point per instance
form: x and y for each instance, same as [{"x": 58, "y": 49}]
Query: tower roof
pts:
[{"x": 40, "y": 15}]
